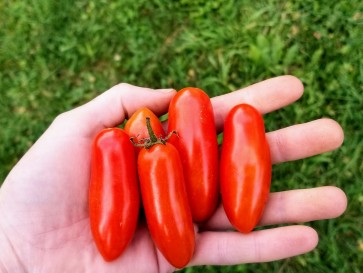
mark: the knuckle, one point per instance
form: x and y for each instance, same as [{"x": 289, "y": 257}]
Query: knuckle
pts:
[
  {"x": 122, "y": 86},
  {"x": 279, "y": 147},
  {"x": 61, "y": 119}
]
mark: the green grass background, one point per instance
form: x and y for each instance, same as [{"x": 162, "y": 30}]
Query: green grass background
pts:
[{"x": 56, "y": 55}]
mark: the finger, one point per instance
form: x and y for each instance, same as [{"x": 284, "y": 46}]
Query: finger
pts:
[
  {"x": 304, "y": 140},
  {"x": 113, "y": 106},
  {"x": 266, "y": 96},
  {"x": 293, "y": 206},
  {"x": 229, "y": 248},
  {"x": 297, "y": 206}
]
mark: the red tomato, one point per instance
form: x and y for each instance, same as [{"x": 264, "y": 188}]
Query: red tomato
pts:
[
  {"x": 114, "y": 197},
  {"x": 136, "y": 126},
  {"x": 245, "y": 167},
  {"x": 165, "y": 203},
  {"x": 191, "y": 116}
]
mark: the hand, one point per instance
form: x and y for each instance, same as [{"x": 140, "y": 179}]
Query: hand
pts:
[{"x": 44, "y": 224}]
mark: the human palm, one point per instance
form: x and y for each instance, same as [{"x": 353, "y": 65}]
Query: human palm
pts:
[{"x": 44, "y": 224}]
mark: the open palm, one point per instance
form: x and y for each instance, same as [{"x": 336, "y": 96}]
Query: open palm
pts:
[{"x": 44, "y": 223}]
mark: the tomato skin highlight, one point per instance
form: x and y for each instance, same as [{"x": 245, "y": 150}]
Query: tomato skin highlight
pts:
[
  {"x": 136, "y": 128},
  {"x": 245, "y": 167},
  {"x": 191, "y": 116},
  {"x": 114, "y": 197},
  {"x": 165, "y": 203}
]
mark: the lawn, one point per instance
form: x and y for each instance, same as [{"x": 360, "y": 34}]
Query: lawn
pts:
[{"x": 56, "y": 55}]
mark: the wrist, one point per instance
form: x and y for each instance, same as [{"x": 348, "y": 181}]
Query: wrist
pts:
[
  {"x": 5, "y": 252},
  {"x": 8, "y": 258},
  {"x": 2, "y": 267}
]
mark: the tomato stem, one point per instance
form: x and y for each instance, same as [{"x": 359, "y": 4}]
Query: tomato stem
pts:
[
  {"x": 147, "y": 143},
  {"x": 150, "y": 130}
]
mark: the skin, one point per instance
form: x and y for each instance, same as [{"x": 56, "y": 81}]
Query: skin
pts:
[
  {"x": 43, "y": 202},
  {"x": 165, "y": 202},
  {"x": 136, "y": 128},
  {"x": 114, "y": 201},
  {"x": 245, "y": 167},
  {"x": 191, "y": 116}
]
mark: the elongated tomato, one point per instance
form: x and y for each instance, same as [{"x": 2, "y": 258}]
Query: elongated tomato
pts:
[
  {"x": 165, "y": 203},
  {"x": 245, "y": 167},
  {"x": 191, "y": 116},
  {"x": 114, "y": 197},
  {"x": 136, "y": 126}
]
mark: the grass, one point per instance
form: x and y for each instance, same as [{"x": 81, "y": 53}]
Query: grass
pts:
[{"x": 55, "y": 55}]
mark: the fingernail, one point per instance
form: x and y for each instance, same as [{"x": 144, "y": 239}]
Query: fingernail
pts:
[{"x": 166, "y": 90}]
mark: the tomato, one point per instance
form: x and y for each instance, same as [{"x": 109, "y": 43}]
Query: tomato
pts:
[
  {"x": 245, "y": 167},
  {"x": 114, "y": 197},
  {"x": 191, "y": 116},
  {"x": 136, "y": 126},
  {"x": 165, "y": 201}
]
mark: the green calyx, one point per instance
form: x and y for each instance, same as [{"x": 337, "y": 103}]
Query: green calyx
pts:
[{"x": 147, "y": 143}]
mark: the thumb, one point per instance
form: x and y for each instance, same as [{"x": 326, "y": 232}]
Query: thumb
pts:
[{"x": 112, "y": 107}]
